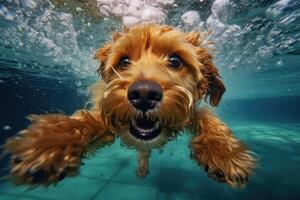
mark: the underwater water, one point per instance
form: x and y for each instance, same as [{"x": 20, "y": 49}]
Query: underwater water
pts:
[{"x": 46, "y": 64}]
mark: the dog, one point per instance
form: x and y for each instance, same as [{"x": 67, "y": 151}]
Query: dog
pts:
[{"x": 153, "y": 79}]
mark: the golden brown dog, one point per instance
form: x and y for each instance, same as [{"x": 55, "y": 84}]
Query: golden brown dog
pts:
[{"x": 153, "y": 78}]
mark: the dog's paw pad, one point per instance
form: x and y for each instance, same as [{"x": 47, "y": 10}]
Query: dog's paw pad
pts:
[
  {"x": 16, "y": 160},
  {"x": 42, "y": 176},
  {"x": 234, "y": 180},
  {"x": 217, "y": 175},
  {"x": 39, "y": 175}
]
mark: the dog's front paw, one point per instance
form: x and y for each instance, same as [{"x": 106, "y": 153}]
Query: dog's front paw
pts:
[
  {"x": 142, "y": 171},
  {"x": 234, "y": 171},
  {"x": 45, "y": 152},
  {"x": 45, "y": 168}
]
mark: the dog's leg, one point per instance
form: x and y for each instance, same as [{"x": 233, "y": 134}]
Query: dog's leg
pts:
[
  {"x": 224, "y": 158},
  {"x": 53, "y": 145},
  {"x": 143, "y": 163}
]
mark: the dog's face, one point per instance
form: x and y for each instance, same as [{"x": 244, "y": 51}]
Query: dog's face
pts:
[{"x": 154, "y": 77}]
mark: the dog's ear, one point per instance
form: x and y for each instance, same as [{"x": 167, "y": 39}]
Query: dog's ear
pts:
[
  {"x": 211, "y": 86},
  {"x": 101, "y": 55},
  {"x": 215, "y": 90},
  {"x": 214, "y": 86}
]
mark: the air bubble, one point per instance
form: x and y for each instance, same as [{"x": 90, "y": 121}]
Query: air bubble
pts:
[
  {"x": 78, "y": 83},
  {"x": 6, "y": 127}
]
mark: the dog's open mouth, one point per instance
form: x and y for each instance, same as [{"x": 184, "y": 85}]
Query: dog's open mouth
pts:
[{"x": 145, "y": 129}]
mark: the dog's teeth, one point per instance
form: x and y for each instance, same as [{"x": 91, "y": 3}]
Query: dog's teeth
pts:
[
  {"x": 133, "y": 122},
  {"x": 156, "y": 125}
]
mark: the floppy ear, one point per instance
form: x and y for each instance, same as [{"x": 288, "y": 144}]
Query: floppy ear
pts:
[
  {"x": 215, "y": 90},
  {"x": 211, "y": 86},
  {"x": 214, "y": 85},
  {"x": 101, "y": 55}
]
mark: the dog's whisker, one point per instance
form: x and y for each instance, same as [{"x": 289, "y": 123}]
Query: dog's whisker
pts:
[
  {"x": 106, "y": 93},
  {"x": 117, "y": 73},
  {"x": 110, "y": 87},
  {"x": 188, "y": 93},
  {"x": 114, "y": 82}
]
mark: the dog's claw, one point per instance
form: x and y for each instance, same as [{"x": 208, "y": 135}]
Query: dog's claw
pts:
[{"x": 61, "y": 175}]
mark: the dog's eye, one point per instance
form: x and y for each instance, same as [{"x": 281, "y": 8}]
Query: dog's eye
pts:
[
  {"x": 124, "y": 62},
  {"x": 175, "y": 62}
]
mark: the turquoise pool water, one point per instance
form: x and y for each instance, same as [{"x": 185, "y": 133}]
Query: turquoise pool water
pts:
[
  {"x": 46, "y": 63},
  {"x": 110, "y": 174}
]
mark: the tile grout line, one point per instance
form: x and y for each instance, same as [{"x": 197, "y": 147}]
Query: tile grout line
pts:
[
  {"x": 126, "y": 183},
  {"x": 110, "y": 180}
]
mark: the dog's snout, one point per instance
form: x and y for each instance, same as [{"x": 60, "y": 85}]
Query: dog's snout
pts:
[{"x": 144, "y": 94}]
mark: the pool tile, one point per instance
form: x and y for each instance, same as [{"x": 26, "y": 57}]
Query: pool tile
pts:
[
  {"x": 8, "y": 197},
  {"x": 102, "y": 168},
  {"x": 71, "y": 188},
  {"x": 116, "y": 151},
  {"x": 128, "y": 175},
  {"x": 121, "y": 191},
  {"x": 27, "y": 198}
]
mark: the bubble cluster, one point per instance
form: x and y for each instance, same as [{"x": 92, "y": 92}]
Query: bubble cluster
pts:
[
  {"x": 133, "y": 12},
  {"x": 44, "y": 39}
]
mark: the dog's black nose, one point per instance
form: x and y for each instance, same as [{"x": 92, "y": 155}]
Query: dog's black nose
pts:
[{"x": 144, "y": 94}]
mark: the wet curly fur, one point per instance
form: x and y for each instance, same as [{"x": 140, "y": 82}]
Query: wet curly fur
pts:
[{"x": 53, "y": 146}]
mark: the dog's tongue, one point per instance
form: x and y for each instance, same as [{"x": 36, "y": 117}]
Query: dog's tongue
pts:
[{"x": 145, "y": 123}]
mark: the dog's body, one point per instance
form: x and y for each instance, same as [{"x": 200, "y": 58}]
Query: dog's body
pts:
[{"x": 153, "y": 78}]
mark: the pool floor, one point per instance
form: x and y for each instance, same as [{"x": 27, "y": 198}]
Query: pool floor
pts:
[{"x": 110, "y": 173}]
